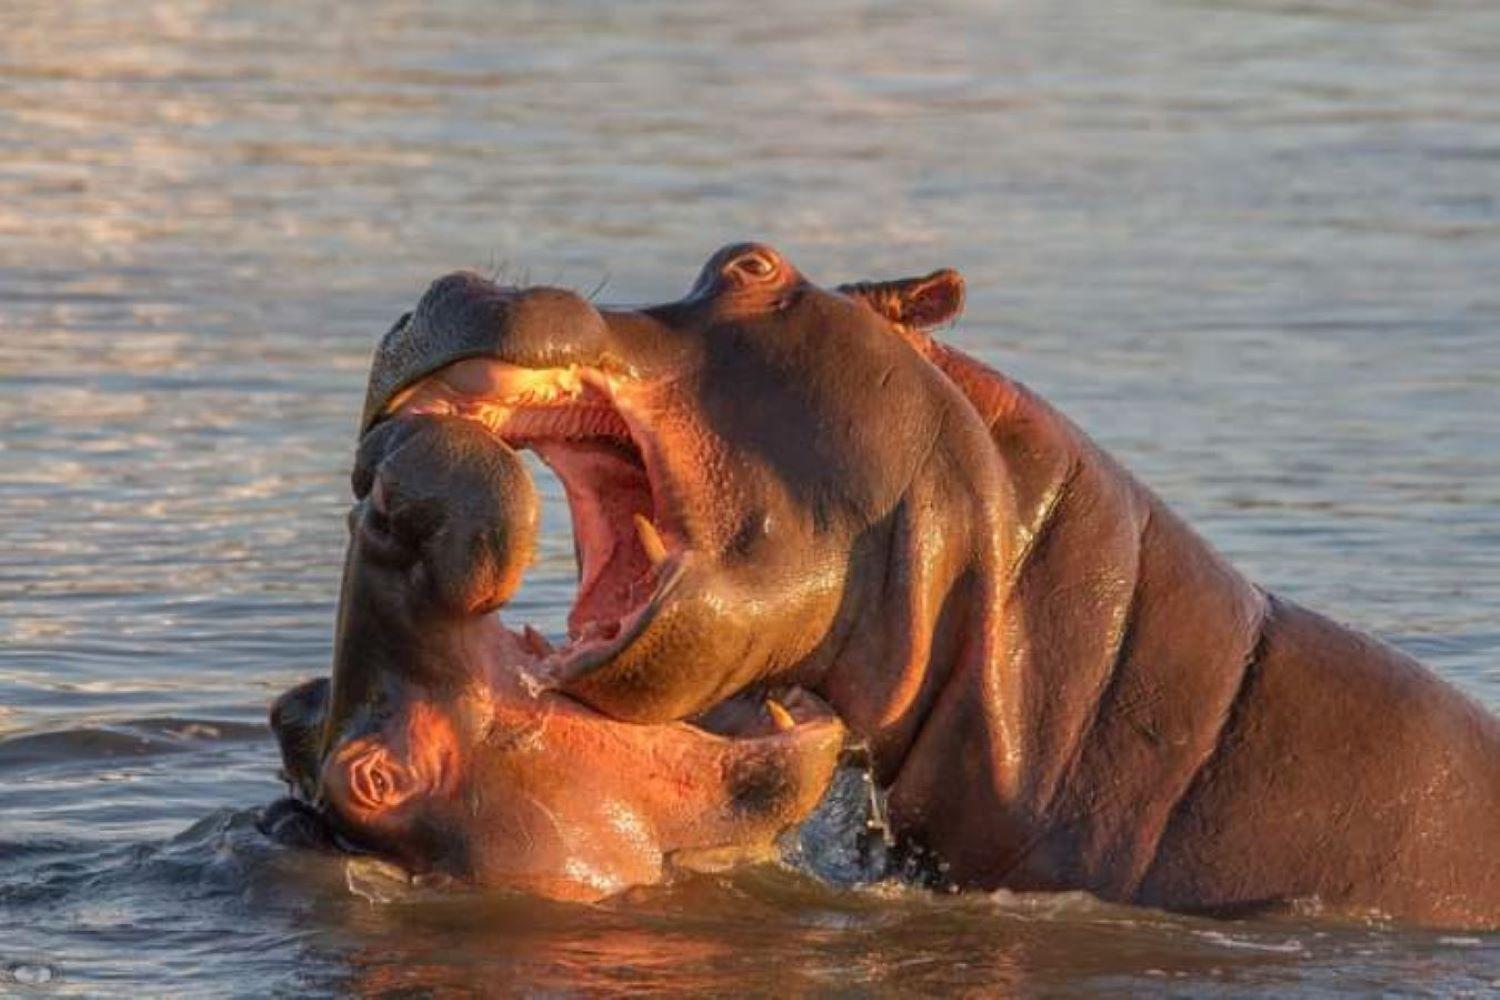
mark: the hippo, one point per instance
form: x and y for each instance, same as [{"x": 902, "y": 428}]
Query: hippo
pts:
[
  {"x": 429, "y": 748},
  {"x": 1061, "y": 686}
]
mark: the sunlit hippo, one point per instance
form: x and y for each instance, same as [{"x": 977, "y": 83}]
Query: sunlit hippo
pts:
[
  {"x": 429, "y": 748},
  {"x": 1063, "y": 687}
]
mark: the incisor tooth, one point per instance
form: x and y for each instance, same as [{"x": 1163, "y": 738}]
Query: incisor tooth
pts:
[
  {"x": 656, "y": 551},
  {"x": 780, "y": 717}
]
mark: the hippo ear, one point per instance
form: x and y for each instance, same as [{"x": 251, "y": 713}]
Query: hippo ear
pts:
[{"x": 918, "y": 303}]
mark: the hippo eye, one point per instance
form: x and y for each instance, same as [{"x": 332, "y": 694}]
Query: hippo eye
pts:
[{"x": 755, "y": 264}]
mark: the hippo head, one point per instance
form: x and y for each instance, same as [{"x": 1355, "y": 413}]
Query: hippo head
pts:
[
  {"x": 432, "y": 746},
  {"x": 732, "y": 460}
]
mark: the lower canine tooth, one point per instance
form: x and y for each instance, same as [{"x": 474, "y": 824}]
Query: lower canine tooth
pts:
[
  {"x": 536, "y": 642},
  {"x": 656, "y": 551},
  {"x": 780, "y": 717}
]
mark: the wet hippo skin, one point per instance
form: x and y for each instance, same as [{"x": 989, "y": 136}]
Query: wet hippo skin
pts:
[
  {"x": 430, "y": 747},
  {"x": 1062, "y": 685}
]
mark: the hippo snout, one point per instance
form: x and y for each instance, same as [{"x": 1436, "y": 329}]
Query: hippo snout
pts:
[
  {"x": 464, "y": 315},
  {"x": 443, "y": 495}
]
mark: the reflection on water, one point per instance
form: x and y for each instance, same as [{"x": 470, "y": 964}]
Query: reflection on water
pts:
[{"x": 1251, "y": 246}]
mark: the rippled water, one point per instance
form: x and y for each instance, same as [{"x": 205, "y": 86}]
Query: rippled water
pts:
[{"x": 1253, "y": 247}]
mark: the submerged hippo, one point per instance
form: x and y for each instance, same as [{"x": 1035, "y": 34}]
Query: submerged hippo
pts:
[
  {"x": 429, "y": 748},
  {"x": 1063, "y": 687}
]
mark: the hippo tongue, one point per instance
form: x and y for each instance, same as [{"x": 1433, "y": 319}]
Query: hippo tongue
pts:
[{"x": 607, "y": 490}]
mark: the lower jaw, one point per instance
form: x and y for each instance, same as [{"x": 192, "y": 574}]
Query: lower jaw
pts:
[{"x": 524, "y": 654}]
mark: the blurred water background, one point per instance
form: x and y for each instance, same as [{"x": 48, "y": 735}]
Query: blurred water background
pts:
[{"x": 1253, "y": 247}]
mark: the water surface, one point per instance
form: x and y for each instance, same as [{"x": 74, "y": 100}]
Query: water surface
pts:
[{"x": 1253, "y": 247}]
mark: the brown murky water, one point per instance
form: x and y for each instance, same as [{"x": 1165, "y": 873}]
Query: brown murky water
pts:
[{"x": 1253, "y": 247}]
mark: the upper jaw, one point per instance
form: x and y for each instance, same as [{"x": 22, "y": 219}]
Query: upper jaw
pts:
[
  {"x": 540, "y": 368},
  {"x": 464, "y": 315}
]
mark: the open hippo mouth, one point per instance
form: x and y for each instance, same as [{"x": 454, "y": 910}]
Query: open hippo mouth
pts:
[
  {"x": 627, "y": 537},
  {"x": 605, "y": 399},
  {"x": 433, "y": 745}
]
